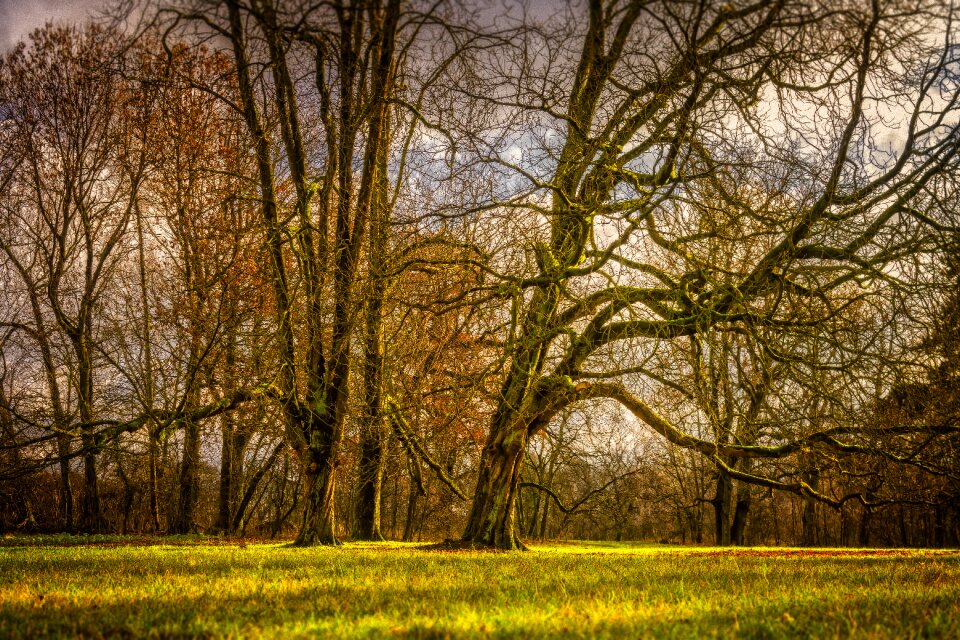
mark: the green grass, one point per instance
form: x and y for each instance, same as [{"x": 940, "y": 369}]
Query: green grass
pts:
[{"x": 192, "y": 587}]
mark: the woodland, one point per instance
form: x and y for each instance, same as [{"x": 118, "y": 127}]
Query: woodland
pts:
[{"x": 484, "y": 272}]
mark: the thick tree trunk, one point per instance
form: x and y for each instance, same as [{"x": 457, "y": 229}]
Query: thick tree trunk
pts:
[
  {"x": 722, "y": 503},
  {"x": 189, "y": 486},
  {"x": 370, "y": 472},
  {"x": 367, "y": 526},
  {"x": 492, "y": 518},
  {"x": 319, "y": 484},
  {"x": 740, "y": 513}
]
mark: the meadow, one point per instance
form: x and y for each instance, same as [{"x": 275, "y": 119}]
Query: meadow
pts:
[{"x": 65, "y": 586}]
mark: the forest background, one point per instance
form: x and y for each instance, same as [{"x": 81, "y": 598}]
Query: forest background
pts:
[{"x": 674, "y": 271}]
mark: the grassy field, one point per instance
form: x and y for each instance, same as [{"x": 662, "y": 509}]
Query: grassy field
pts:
[{"x": 53, "y": 587}]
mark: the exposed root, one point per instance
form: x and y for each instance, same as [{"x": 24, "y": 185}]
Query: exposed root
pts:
[
  {"x": 470, "y": 545},
  {"x": 300, "y": 543}
]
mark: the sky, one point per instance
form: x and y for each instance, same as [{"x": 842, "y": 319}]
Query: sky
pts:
[{"x": 20, "y": 17}]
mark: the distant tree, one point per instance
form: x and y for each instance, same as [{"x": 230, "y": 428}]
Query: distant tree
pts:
[{"x": 70, "y": 206}]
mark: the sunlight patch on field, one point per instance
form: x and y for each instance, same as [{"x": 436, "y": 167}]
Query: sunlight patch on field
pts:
[{"x": 188, "y": 587}]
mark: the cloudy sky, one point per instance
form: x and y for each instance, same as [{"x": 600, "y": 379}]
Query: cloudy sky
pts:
[{"x": 20, "y": 17}]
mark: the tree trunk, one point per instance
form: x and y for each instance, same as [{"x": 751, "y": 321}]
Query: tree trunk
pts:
[
  {"x": 808, "y": 518},
  {"x": 153, "y": 433},
  {"x": 231, "y": 472},
  {"x": 319, "y": 483},
  {"x": 239, "y": 517},
  {"x": 91, "y": 519},
  {"x": 741, "y": 511},
  {"x": 722, "y": 502},
  {"x": 738, "y": 528},
  {"x": 154, "y": 454},
  {"x": 230, "y": 453},
  {"x": 542, "y": 533},
  {"x": 534, "y": 515},
  {"x": 66, "y": 491},
  {"x": 129, "y": 495},
  {"x": 863, "y": 535},
  {"x": 409, "y": 523},
  {"x": 189, "y": 481},
  {"x": 370, "y": 471},
  {"x": 370, "y": 479},
  {"x": 492, "y": 518},
  {"x": 225, "y": 489}
]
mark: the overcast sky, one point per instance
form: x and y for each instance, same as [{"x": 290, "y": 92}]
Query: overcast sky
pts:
[{"x": 20, "y": 17}]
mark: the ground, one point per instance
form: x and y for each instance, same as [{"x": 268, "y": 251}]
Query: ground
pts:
[{"x": 67, "y": 586}]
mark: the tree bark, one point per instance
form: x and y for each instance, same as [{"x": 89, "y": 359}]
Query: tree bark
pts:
[
  {"x": 66, "y": 491},
  {"x": 409, "y": 523},
  {"x": 721, "y": 505},
  {"x": 369, "y": 500},
  {"x": 225, "y": 488},
  {"x": 808, "y": 518},
  {"x": 741, "y": 511},
  {"x": 91, "y": 519},
  {"x": 154, "y": 480},
  {"x": 319, "y": 484},
  {"x": 189, "y": 485},
  {"x": 370, "y": 476},
  {"x": 492, "y": 517}
]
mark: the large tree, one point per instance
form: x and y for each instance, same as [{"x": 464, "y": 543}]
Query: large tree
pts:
[
  {"x": 651, "y": 126},
  {"x": 319, "y": 176}
]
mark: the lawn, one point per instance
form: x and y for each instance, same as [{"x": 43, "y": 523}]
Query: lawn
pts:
[{"x": 53, "y": 587}]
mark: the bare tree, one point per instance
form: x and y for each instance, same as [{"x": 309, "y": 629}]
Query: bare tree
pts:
[
  {"x": 75, "y": 197},
  {"x": 662, "y": 106}
]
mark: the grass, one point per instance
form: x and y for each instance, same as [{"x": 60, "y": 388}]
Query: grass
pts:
[{"x": 194, "y": 587}]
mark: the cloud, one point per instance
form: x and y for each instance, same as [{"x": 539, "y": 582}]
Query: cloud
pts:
[{"x": 19, "y": 17}]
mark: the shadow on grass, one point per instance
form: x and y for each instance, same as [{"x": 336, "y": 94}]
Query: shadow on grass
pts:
[
  {"x": 311, "y": 611},
  {"x": 271, "y": 591}
]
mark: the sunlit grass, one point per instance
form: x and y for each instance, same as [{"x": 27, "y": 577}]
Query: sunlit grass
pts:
[{"x": 193, "y": 588}]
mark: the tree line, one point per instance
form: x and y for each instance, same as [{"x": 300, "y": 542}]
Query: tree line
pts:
[{"x": 629, "y": 269}]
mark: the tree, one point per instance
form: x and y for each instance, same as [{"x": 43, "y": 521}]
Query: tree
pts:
[
  {"x": 351, "y": 50},
  {"x": 74, "y": 196},
  {"x": 197, "y": 191},
  {"x": 659, "y": 103}
]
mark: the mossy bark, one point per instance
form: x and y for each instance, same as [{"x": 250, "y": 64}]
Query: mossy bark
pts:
[
  {"x": 319, "y": 483},
  {"x": 492, "y": 520}
]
